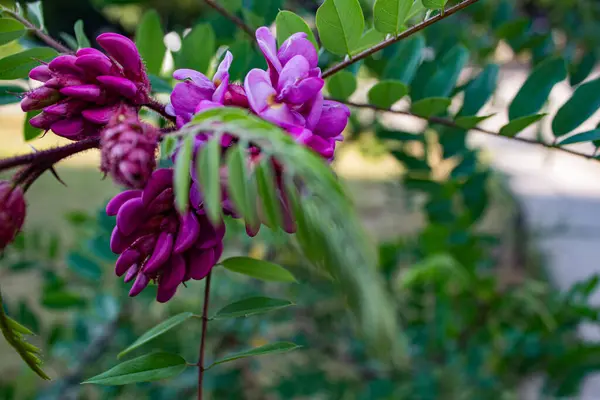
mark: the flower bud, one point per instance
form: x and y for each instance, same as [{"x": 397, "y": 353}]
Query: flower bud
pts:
[{"x": 12, "y": 212}]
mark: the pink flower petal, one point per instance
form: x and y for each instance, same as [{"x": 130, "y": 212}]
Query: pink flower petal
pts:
[
  {"x": 91, "y": 93},
  {"x": 113, "y": 206},
  {"x": 68, "y": 128},
  {"x": 132, "y": 273},
  {"x": 40, "y": 73},
  {"x": 189, "y": 230},
  {"x": 160, "y": 180},
  {"x": 173, "y": 273},
  {"x": 126, "y": 260},
  {"x": 99, "y": 115},
  {"x": 200, "y": 262},
  {"x": 122, "y": 86},
  {"x": 140, "y": 284},
  {"x": 66, "y": 64},
  {"x": 164, "y": 295},
  {"x": 131, "y": 215},
  {"x": 123, "y": 50},
  {"x": 162, "y": 252},
  {"x": 95, "y": 64},
  {"x": 298, "y": 44},
  {"x": 223, "y": 69},
  {"x": 259, "y": 90}
]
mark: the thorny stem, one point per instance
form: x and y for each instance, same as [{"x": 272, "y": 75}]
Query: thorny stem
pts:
[
  {"x": 232, "y": 17},
  {"x": 449, "y": 123},
  {"x": 200, "y": 364},
  {"x": 410, "y": 31},
  {"x": 158, "y": 107},
  {"x": 39, "y": 33}
]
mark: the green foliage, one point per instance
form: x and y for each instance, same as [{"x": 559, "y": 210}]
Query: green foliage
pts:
[
  {"x": 341, "y": 85},
  {"x": 82, "y": 40},
  {"x": 288, "y": 23},
  {"x": 430, "y": 107},
  {"x": 252, "y": 306},
  {"x": 10, "y": 94},
  {"x": 386, "y": 93},
  {"x": 340, "y": 24},
  {"x": 584, "y": 102},
  {"x": 149, "y": 41},
  {"x": 10, "y": 30},
  {"x": 258, "y": 269},
  {"x": 18, "y": 65},
  {"x": 389, "y": 15},
  {"x": 197, "y": 49},
  {"x": 517, "y": 125},
  {"x": 272, "y": 348},
  {"x": 29, "y": 132}
]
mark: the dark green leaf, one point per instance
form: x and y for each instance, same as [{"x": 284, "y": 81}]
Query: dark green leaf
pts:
[
  {"x": 340, "y": 24},
  {"x": 148, "y": 368},
  {"x": 479, "y": 90},
  {"x": 341, "y": 85},
  {"x": 84, "y": 267},
  {"x": 272, "y": 348},
  {"x": 444, "y": 79},
  {"x": 82, "y": 40},
  {"x": 389, "y": 15},
  {"x": 512, "y": 29},
  {"x": 434, "y": 4},
  {"x": 150, "y": 43},
  {"x": 158, "y": 330},
  {"x": 584, "y": 102},
  {"x": 159, "y": 85},
  {"x": 386, "y": 93},
  {"x": 588, "y": 136},
  {"x": 270, "y": 201},
  {"x": 9, "y": 94},
  {"x": 258, "y": 269},
  {"x": 10, "y": 30},
  {"x": 581, "y": 70},
  {"x": 536, "y": 89},
  {"x": 406, "y": 60},
  {"x": 181, "y": 183},
  {"x": 197, "y": 49},
  {"x": 62, "y": 299},
  {"x": 208, "y": 172},
  {"x": 517, "y": 125},
  {"x": 252, "y": 306},
  {"x": 18, "y": 65},
  {"x": 288, "y": 23},
  {"x": 237, "y": 179},
  {"x": 29, "y": 132},
  {"x": 471, "y": 121},
  {"x": 431, "y": 106}
]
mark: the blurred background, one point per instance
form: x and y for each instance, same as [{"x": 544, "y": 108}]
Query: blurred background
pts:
[{"x": 488, "y": 245}]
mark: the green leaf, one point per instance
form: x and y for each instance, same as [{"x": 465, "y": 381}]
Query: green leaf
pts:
[
  {"x": 258, "y": 269},
  {"x": 197, "y": 49},
  {"x": 445, "y": 77},
  {"x": 62, "y": 299},
  {"x": 434, "y": 4},
  {"x": 288, "y": 23},
  {"x": 18, "y": 65},
  {"x": 430, "y": 106},
  {"x": 517, "y": 125},
  {"x": 237, "y": 179},
  {"x": 159, "y": 85},
  {"x": 386, "y": 93},
  {"x": 181, "y": 182},
  {"x": 84, "y": 267},
  {"x": 403, "y": 66},
  {"x": 389, "y": 15},
  {"x": 469, "y": 122},
  {"x": 231, "y": 5},
  {"x": 415, "y": 9},
  {"x": 147, "y": 368},
  {"x": 208, "y": 172},
  {"x": 270, "y": 203},
  {"x": 341, "y": 85},
  {"x": 149, "y": 39},
  {"x": 479, "y": 90},
  {"x": 368, "y": 39},
  {"x": 252, "y": 306},
  {"x": 9, "y": 94},
  {"x": 340, "y": 24},
  {"x": 587, "y": 136},
  {"x": 512, "y": 29},
  {"x": 10, "y": 30},
  {"x": 582, "y": 70},
  {"x": 29, "y": 132},
  {"x": 582, "y": 105},
  {"x": 69, "y": 40},
  {"x": 272, "y": 348},
  {"x": 158, "y": 330},
  {"x": 536, "y": 89},
  {"x": 82, "y": 40}
]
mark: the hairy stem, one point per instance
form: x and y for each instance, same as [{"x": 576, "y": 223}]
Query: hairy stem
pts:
[
  {"x": 43, "y": 36},
  {"x": 158, "y": 107},
  {"x": 203, "y": 338},
  {"x": 410, "y": 31},
  {"x": 232, "y": 17},
  {"x": 449, "y": 123}
]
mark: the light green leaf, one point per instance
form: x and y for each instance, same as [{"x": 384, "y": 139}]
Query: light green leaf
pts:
[
  {"x": 208, "y": 172},
  {"x": 237, "y": 179},
  {"x": 479, "y": 90},
  {"x": 389, "y": 15},
  {"x": 403, "y": 66},
  {"x": 341, "y": 85},
  {"x": 430, "y": 106},
  {"x": 149, "y": 39},
  {"x": 517, "y": 125},
  {"x": 469, "y": 122},
  {"x": 258, "y": 269},
  {"x": 434, "y": 4},
  {"x": 584, "y": 102},
  {"x": 386, "y": 93},
  {"x": 231, "y": 5},
  {"x": 252, "y": 306},
  {"x": 368, "y": 39},
  {"x": 340, "y": 24},
  {"x": 416, "y": 8},
  {"x": 70, "y": 40},
  {"x": 158, "y": 330},
  {"x": 288, "y": 23},
  {"x": 82, "y": 40},
  {"x": 197, "y": 49},
  {"x": 270, "y": 203},
  {"x": 587, "y": 136},
  {"x": 18, "y": 65},
  {"x": 84, "y": 267},
  {"x": 10, "y": 30},
  {"x": 272, "y": 348},
  {"x": 445, "y": 77},
  {"x": 181, "y": 183},
  {"x": 29, "y": 132},
  {"x": 536, "y": 89},
  {"x": 147, "y": 368}
]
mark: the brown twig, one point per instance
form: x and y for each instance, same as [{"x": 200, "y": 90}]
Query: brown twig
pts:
[
  {"x": 43, "y": 36},
  {"x": 410, "y": 31},
  {"x": 200, "y": 364},
  {"x": 158, "y": 107},
  {"x": 232, "y": 17},
  {"x": 449, "y": 123}
]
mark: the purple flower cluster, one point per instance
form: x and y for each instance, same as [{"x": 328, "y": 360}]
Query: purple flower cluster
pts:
[
  {"x": 156, "y": 243},
  {"x": 12, "y": 212},
  {"x": 81, "y": 92}
]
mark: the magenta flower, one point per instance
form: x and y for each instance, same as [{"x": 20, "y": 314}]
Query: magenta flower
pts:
[
  {"x": 128, "y": 148},
  {"x": 12, "y": 212},
  {"x": 156, "y": 243},
  {"x": 82, "y": 91}
]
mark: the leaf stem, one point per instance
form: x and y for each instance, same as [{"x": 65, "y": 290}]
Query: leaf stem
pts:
[
  {"x": 410, "y": 31},
  {"x": 232, "y": 17},
  {"x": 43, "y": 36},
  {"x": 205, "y": 319}
]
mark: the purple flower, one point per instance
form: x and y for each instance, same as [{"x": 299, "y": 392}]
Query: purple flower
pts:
[
  {"x": 128, "y": 149},
  {"x": 12, "y": 212},
  {"x": 156, "y": 243},
  {"x": 82, "y": 91}
]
